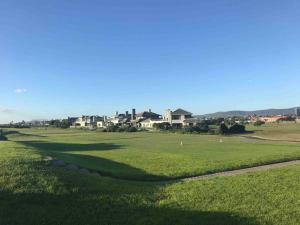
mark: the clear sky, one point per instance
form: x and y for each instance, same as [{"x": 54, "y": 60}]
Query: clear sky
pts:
[{"x": 60, "y": 58}]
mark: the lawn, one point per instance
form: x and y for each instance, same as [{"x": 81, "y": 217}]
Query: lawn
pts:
[
  {"x": 152, "y": 155},
  {"x": 283, "y": 132},
  {"x": 34, "y": 192}
]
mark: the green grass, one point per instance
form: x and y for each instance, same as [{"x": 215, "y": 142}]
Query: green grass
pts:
[
  {"x": 284, "y": 132},
  {"x": 153, "y": 156},
  {"x": 33, "y": 192}
]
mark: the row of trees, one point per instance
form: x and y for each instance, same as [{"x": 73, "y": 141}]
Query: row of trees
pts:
[
  {"x": 221, "y": 128},
  {"x": 116, "y": 128},
  {"x": 65, "y": 123},
  {"x": 234, "y": 129}
]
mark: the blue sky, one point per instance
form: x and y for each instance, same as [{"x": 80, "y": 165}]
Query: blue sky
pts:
[{"x": 60, "y": 58}]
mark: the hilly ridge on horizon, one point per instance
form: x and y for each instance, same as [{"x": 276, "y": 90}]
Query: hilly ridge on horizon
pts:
[{"x": 263, "y": 112}]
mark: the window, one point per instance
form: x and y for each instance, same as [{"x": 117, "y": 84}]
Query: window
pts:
[{"x": 175, "y": 117}]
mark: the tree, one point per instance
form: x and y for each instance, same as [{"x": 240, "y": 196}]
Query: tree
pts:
[
  {"x": 223, "y": 129},
  {"x": 237, "y": 129}
]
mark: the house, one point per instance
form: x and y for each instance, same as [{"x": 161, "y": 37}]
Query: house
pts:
[
  {"x": 177, "y": 117},
  {"x": 87, "y": 121},
  {"x": 149, "y": 123},
  {"x": 147, "y": 115},
  {"x": 101, "y": 124},
  {"x": 297, "y": 112},
  {"x": 72, "y": 120},
  {"x": 267, "y": 119},
  {"x": 192, "y": 122},
  {"x": 120, "y": 119}
]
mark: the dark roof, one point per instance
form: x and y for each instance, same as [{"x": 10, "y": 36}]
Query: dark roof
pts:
[
  {"x": 147, "y": 114},
  {"x": 181, "y": 112}
]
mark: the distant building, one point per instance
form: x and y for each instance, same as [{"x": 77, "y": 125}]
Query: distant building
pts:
[
  {"x": 192, "y": 122},
  {"x": 268, "y": 119},
  {"x": 177, "y": 117},
  {"x": 72, "y": 120},
  {"x": 148, "y": 123},
  {"x": 101, "y": 124},
  {"x": 147, "y": 115},
  {"x": 297, "y": 112},
  {"x": 119, "y": 119},
  {"x": 87, "y": 121}
]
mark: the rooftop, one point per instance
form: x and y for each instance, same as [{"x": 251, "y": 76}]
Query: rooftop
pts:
[{"x": 181, "y": 112}]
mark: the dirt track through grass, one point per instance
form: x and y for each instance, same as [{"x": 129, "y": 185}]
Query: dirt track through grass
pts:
[{"x": 246, "y": 170}]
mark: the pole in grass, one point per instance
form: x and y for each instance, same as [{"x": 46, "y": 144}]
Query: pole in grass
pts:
[
  {"x": 221, "y": 140},
  {"x": 181, "y": 143}
]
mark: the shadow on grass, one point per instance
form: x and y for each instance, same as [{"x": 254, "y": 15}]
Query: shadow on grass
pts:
[
  {"x": 36, "y": 208},
  {"x": 105, "y": 166},
  {"x": 64, "y": 147},
  {"x": 10, "y": 132},
  {"x": 41, "y": 194}
]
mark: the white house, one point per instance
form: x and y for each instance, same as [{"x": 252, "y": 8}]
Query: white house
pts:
[
  {"x": 87, "y": 121},
  {"x": 177, "y": 117},
  {"x": 148, "y": 123}
]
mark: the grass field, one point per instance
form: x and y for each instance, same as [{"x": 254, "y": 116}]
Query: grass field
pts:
[
  {"x": 148, "y": 156},
  {"x": 286, "y": 132},
  {"x": 34, "y": 192}
]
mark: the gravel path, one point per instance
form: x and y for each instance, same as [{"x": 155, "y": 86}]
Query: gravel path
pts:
[
  {"x": 246, "y": 170},
  {"x": 269, "y": 139}
]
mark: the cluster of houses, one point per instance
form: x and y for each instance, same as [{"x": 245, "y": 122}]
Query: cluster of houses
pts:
[
  {"x": 145, "y": 119},
  {"x": 277, "y": 118},
  {"x": 267, "y": 119}
]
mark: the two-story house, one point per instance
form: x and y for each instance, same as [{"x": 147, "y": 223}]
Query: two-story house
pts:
[{"x": 177, "y": 117}]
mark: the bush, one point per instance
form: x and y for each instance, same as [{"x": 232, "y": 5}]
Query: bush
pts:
[
  {"x": 203, "y": 128},
  {"x": 131, "y": 129},
  {"x": 162, "y": 126},
  {"x": 196, "y": 129},
  {"x": 258, "y": 123},
  {"x": 223, "y": 129},
  {"x": 112, "y": 128},
  {"x": 2, "y": 137},
  {"x": 120, "y": 129},
  {"x": 237, "y": 129},
  {"x": 116, "y": 128}
]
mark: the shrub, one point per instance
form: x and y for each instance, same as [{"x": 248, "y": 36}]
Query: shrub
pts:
[
  {"x": 131, "y": 129},
  {"x": 2, "y": 136},
  {"x": 121, "y": 129},
  {"x": 203, "y": 128},
  {"x": 112, "y": 128},
  {"x": 258, "y": 123},
  {"x": 162, "y": 126},
  {"x": 237, "y": 129},
  {"x": 223, "y": 129}
]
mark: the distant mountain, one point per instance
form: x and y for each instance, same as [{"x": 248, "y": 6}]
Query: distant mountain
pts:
[{"x": 264, "y": 112}]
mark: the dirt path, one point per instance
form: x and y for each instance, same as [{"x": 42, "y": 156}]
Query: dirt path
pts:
[
  {"x": 246, "y": 170},
  {"x": 269, "y": 139}
]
